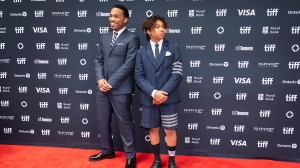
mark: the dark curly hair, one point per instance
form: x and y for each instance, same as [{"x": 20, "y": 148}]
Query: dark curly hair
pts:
[{"x": 149, "y": 23}]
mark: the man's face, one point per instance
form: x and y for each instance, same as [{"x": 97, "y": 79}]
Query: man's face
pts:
[
  {"x": 157, "y": 32},
  {"x": 117, "y": 19}
]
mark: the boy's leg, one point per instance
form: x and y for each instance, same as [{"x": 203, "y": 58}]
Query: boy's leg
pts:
[
  {"x": 171, "y": 138},
  {"x": 155, "y": 139}
]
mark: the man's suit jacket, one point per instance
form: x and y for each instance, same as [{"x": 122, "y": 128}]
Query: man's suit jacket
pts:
[
  {"x": 116, "y": 63},
  {"x": 164, "y": 74}
]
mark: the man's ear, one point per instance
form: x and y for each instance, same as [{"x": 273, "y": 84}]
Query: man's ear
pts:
[{"x": 125, "y": 20}]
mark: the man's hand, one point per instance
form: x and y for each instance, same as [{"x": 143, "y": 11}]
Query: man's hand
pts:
[
  {"x": 103, "y": 85},
  {"x": 160, "y": 97}
]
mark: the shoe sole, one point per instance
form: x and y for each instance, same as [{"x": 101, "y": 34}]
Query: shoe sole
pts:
[{"x": 108, "y": 157}]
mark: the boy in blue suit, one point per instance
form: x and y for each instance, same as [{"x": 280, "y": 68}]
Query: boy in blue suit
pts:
[{"x": 158, "y": 73}]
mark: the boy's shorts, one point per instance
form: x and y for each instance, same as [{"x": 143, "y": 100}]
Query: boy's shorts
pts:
[{"x": 164, "y": 115}]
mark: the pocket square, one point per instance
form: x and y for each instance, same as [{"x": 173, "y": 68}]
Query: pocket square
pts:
[
  {"x": 120, "y": 43},
  {"x": 168, "y": 53}
]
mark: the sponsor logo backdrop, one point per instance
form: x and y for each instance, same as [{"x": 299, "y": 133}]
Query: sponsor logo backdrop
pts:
[{"x": 240, "y": 93}]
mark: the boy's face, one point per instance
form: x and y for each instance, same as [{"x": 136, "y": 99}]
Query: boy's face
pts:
[
  {"x": 117, "y": 19},
  {"x": 157, "y": 32}
]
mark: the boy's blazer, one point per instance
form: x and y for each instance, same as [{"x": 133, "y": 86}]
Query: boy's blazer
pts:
[{"x": 164, "y": 74}]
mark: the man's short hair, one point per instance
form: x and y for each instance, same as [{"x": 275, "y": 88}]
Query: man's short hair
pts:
[{"x": 123, "y": 8}]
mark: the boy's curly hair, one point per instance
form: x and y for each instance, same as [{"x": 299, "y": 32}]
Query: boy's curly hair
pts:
[{"x": 149, "y": 23}]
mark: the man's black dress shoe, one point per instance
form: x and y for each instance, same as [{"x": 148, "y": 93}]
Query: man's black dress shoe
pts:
[
  {"x": 156, "y": 164},
  {"x": 130, "y": 163},
  {"x": 172, "y": 165},
  {"x": 100, "y": 156}
]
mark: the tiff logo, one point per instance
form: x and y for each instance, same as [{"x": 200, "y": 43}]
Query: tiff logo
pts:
[
  {"x": 85, "y": 134},
  {"x": 39, "y": 13},
  {"x": 241, "y": 96},
  {"x": 7, "y": 130},
  {"x": 3, "y": 75},
  {"x": 2, "y": 46},
  {"x": 45, "y": 132},
  {"x": 172, "y": 13},
  {"x": 291, "y": 97},
  {"x": 288, "y": 130},
  {"x": 221, "y": 12},
  {"x": 243, "y": 64},
  {"x": 19, "y": 30},
  {"x": 81, "y": 13},
  {"x": 83, "y": 76},
  {"x": 63, "y": 90},
  {"x": 21, "y": 60},
  {"x": 1, "y": 14},
  {"x": 65, "y": 120},
  {"x": 61, "y": 30},
  {"x": 84, "y": 106},
  {"x": 42, "y": 75},
  {"x": 218, "y": 80},
  {"x": 196, "y": 30},
  {"x": 239, "y": 128},
  {"x": 195, "y": 63},
  {"x": 193, "y": 95},
  {"x": 270, "y": 47},
  {"x": 219, "y": 47},
  {"x": 103, "y": 30},
  {"x": 40, "y": 29},
  {"x": 22, "y": 89},
  {"x": 214, "y": 141},
  {"x": 82, "y": 46},
  {"x": 294, "y": 65},
  {"x": 216, "y": 111},
  {"x": 192, "y": 126},
  {"x": 245, "y": 29},
  {"x": 17, "y": 1},
  {"x": 43, "y": 104},
  {"x": 25, "y": 118},
  {"x": 4, "y": 103},
  {"x": 267, "y": 81},
  {"x": 264, "y": 113},
  {"x": 262, "y": 144},
  {"x": 272, "y": 12},
  {"x": 295, "y": 29},
  {"x": 40, "y": 46},
  {"x": 62, "y": 61}
]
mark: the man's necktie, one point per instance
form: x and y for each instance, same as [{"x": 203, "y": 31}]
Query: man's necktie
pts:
[
  {"x": 156, "y": 51},
  {"x": 113, "y": 39}
]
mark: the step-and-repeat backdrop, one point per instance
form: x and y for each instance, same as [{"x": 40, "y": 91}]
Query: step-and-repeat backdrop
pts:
[{"x": 241, "y": 87}]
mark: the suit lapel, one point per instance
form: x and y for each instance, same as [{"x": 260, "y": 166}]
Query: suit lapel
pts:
[
  {"x": 150, "y": 54},
  {"x": 164, "y": 49},
  {"x": 121, "y": 36}
]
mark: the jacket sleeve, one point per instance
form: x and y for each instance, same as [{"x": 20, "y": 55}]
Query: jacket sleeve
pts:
[
  {"x": 99, "y": 61},
  {"x": 139, "y": 75},
  {"x": 122, "y": 73},
  {"x": 177, "y": 72}
]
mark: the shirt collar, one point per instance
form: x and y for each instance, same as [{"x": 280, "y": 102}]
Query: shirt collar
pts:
[
  {"x": 120, "y": 31},
  {"x": 159, "y": 43}
]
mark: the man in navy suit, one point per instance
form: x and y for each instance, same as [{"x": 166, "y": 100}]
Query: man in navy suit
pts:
[
  {"x": 158, "y": 73},
  {"x": 114, "y": 67}
]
